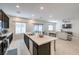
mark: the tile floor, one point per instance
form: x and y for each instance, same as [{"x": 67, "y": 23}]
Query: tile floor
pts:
[
  {"x": 21, "y": 47},
  {"x": 62, "y": 47}
]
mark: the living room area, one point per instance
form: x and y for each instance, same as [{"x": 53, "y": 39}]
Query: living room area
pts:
[{"x": 36, "y": 26}]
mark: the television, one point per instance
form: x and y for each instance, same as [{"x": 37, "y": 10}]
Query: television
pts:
[{"x": 67, "y": 26}]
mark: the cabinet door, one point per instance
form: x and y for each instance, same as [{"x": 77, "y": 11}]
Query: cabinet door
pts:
[
  {"x": 35, "y": 47},
  {"x": 0, "y": 15},
  {"x": 42, "y": 49},
  {"x": 10, "y": 38},
  {"x": 6, "y": 21},
  {"x": 31, "y": 47},
  {"x": 26, "y": 40}
]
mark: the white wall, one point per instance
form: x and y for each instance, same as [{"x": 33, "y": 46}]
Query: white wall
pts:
[
  {"x": 57, "y": 26},
  {"x": 75, "y": 28},
  {"x": 29, "y": 27},
  {"x": 75, "y": 24}
]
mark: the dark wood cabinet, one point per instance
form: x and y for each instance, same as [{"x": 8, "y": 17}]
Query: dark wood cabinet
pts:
[
  {"x": 26, "y": 40},
  {"x": 6, "y": 22},
  {"x": 0, "y": 15},
  {"x": 10, "y": 37},
  {"x": 35, "y": 46},
  {"x": 41, "y": 50},
  {"x": 5, "y": 19}
]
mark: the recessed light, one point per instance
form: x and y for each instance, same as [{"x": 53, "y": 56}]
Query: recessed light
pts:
[
  {"x": 33, "y": 15},
  {"x": 52, "y": 21},
  {"x": 17, "y": 6},
  {"x": 41, "y": 8},
  {"x": 50, "y": 16}
]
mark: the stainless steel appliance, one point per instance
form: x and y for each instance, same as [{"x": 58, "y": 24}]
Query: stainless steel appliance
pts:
[{"x": 3, "y": 46}]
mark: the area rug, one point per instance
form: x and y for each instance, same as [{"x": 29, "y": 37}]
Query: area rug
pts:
[{"x": 12, "y": 52}]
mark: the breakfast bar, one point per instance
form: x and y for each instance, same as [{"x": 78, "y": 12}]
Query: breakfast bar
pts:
[{"x": 39, "y": 45}]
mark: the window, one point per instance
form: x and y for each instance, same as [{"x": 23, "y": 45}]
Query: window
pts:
[
  {"x": 50, "y": 27},
  {"x": 20, "y": 28},
  {"x": 38, "y": 28}
]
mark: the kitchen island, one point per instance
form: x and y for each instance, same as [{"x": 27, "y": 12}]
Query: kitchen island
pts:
[{"x": 39, "y": 45}]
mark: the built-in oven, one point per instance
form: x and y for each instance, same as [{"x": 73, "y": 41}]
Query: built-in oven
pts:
[
  {"x": 3, "y": 46},
  {"x": 0, "y": 47}
]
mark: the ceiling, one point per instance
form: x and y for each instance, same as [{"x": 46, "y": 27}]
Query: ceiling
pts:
[{"x": 58, "y": 11}]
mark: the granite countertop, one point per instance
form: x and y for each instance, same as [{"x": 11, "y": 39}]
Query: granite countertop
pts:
[
  {"x": 40, "y": 41},
  {"x": 7, "y": 34}
]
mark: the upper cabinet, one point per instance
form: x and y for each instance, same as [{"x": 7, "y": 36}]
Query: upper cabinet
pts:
[
  {"x": 0, "y": 15},
  {"x": 5, "y": 19}
]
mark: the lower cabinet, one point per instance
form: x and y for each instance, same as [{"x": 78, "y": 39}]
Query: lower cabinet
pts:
[
  {"x": 35, "y": 52},
  {"x": 26, "y": 40},
  {"x": 10, "y": 37},
  {"x": 30, "y": 47},
  {"x": 42, "y": 49},
  {"x": 5, "y": 43}
]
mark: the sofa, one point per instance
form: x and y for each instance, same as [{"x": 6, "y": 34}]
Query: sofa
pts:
[{"x": 62, "y": 35}]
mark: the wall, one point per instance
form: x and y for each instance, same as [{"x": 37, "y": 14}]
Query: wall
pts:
[
  {"x": 29, "y": 27},
  {"x": 12, "y": 21},
  {"x": 75, "y": 28},
  {"x": 58, "y": 25}
]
